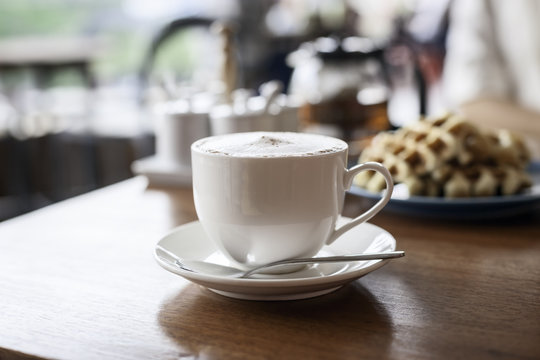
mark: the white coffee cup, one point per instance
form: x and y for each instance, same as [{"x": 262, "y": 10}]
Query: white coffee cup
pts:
[
  {"x": 178, "y": 125},
  {"x": 268, "y": 196}
]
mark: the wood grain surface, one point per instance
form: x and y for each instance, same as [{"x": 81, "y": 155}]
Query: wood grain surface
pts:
[{"x": 78, "y": 281}]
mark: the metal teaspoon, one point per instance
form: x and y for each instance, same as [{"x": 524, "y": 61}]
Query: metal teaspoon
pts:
[{"x": 203, "y": 267}]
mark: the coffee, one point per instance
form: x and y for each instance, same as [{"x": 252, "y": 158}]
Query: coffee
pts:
[{"x": 268, "y": 144}]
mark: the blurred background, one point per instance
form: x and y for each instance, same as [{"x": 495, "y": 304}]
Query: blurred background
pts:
[{"x": 79, "y": 78}]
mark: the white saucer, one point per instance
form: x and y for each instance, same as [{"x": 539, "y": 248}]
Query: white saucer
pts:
[
  {"x": 162, "y": 173},
  {"x": 190, "y": 242}
]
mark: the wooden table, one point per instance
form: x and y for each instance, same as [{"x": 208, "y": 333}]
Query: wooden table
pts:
[{"x": 78, "y": 281}]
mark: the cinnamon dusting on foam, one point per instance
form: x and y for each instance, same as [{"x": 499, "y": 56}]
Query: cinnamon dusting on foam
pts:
[{"x": 268, "y": 145}]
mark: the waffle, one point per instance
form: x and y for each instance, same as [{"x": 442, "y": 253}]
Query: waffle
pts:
[{"x": 448, "y": 156}]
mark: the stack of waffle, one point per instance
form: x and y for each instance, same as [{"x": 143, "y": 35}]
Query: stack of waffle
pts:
[{"x": 450, "y": 157}]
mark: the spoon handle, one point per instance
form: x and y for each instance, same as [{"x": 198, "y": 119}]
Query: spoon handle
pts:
[{"x": 326, "y": 259}]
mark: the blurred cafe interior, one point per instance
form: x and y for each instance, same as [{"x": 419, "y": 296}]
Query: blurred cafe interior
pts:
[
  {"x": 84, "y": 85},
  {"x": 437, "y": 103}
]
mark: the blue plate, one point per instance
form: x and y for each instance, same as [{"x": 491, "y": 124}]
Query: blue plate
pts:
[{"x": 462, "y": 208}]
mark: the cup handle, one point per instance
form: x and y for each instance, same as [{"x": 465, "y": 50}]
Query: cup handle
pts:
[{"x": 347, "y": 182}]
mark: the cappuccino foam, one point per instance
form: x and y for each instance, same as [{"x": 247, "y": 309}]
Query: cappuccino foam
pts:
[{"x": 269, "y": 144}]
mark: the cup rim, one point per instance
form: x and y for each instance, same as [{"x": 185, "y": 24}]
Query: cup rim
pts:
[{"x": 345, "y": 147}]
